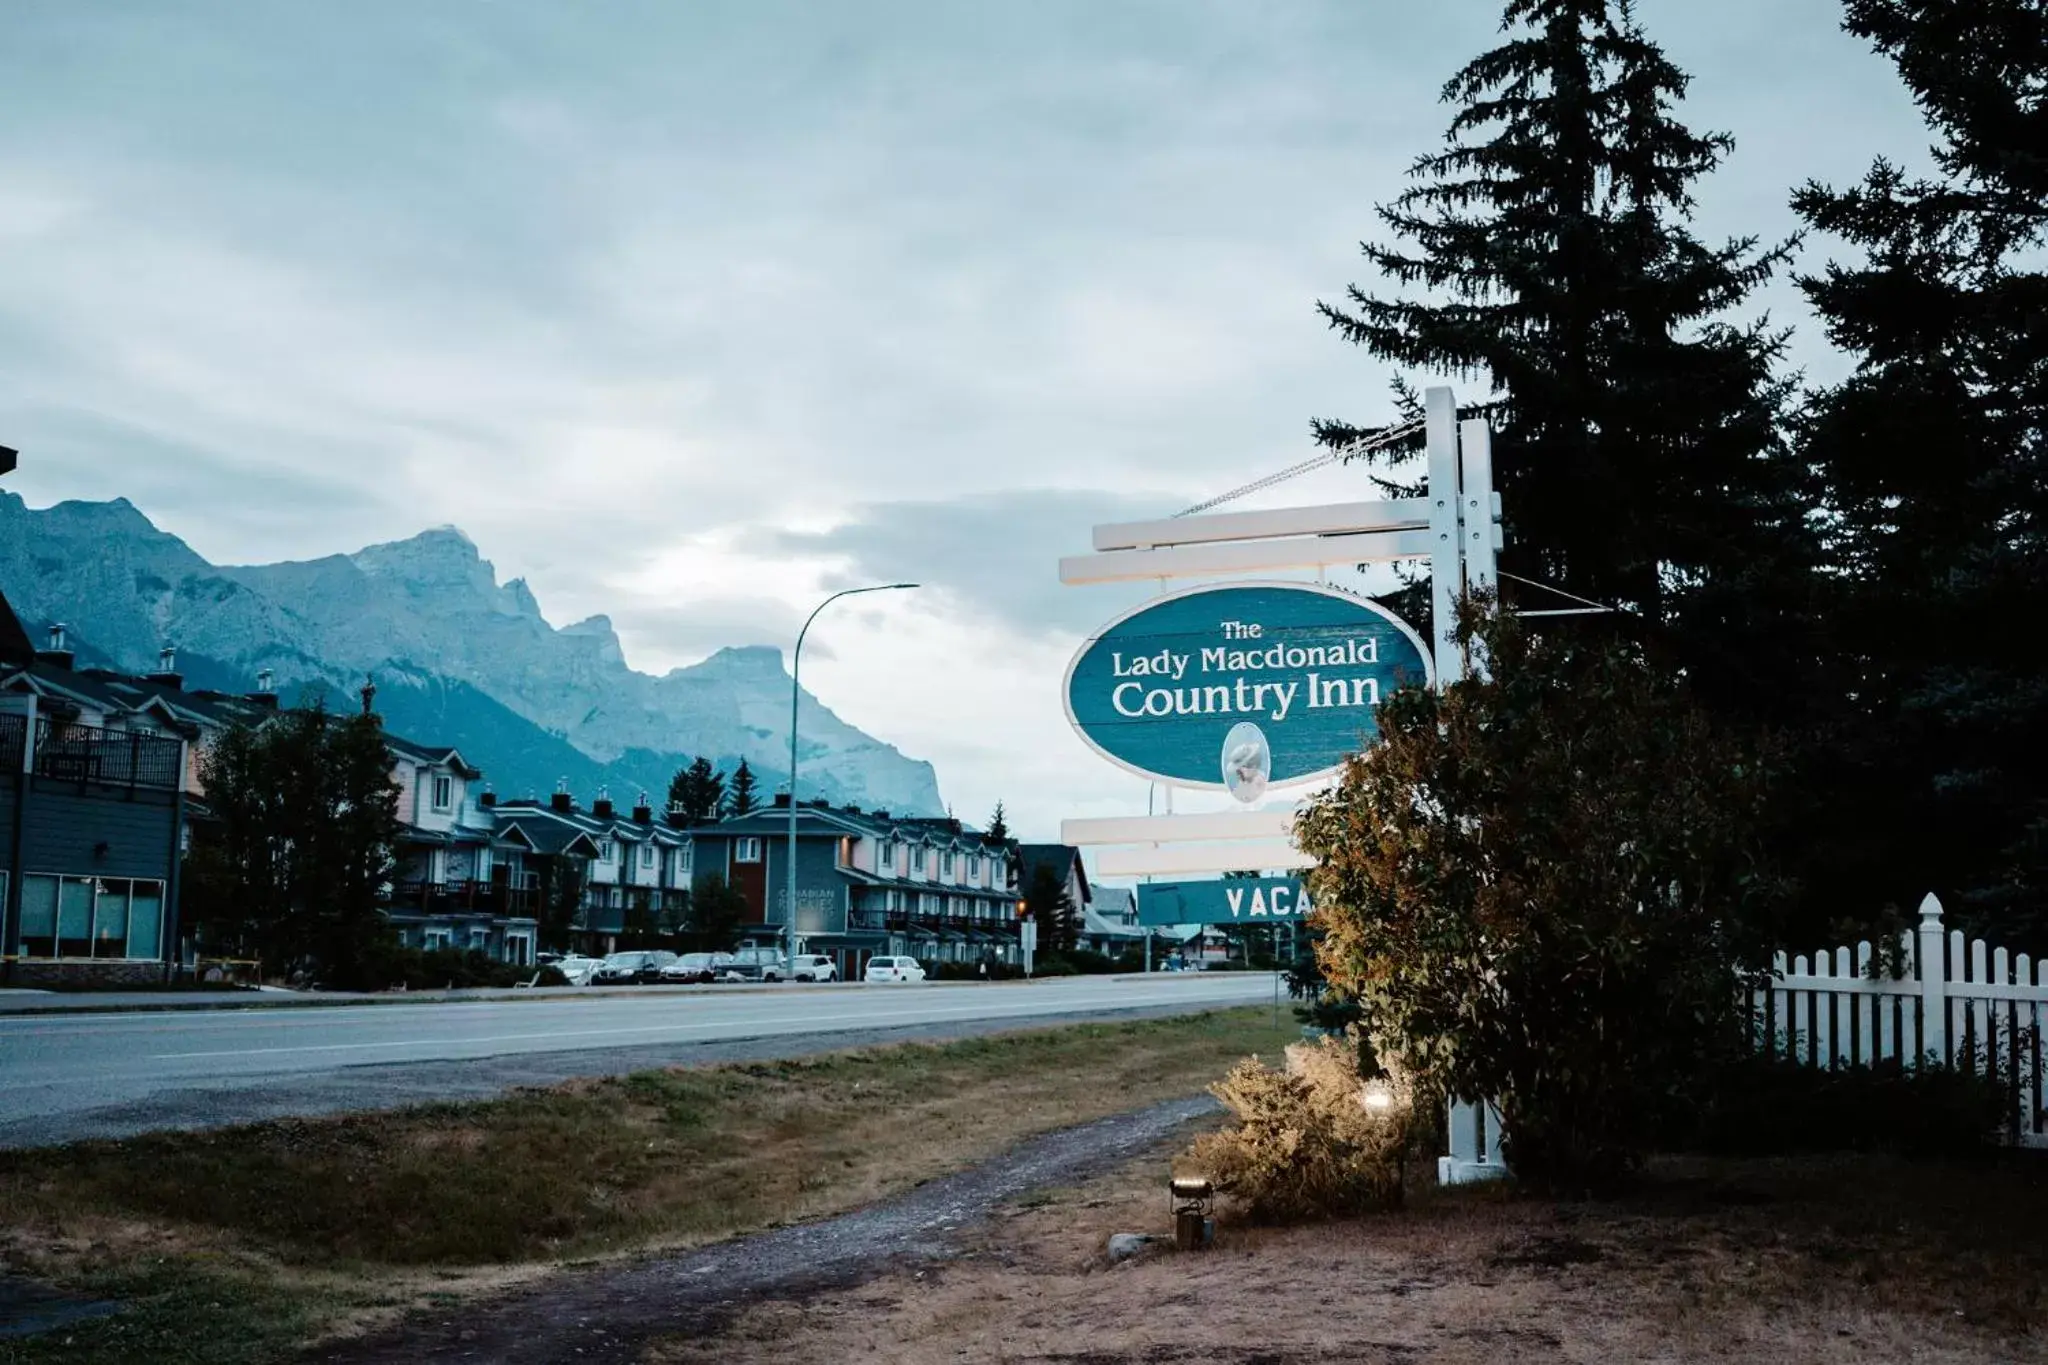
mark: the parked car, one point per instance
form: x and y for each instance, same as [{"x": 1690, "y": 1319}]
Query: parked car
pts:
[
  {"x": 693, "y": 967},
  {"x": 623, "y": 969},
  {"x": 577, "y": 968},
  {"x": 813, "y": 967},
  {"x": 894, "y": 969},
  {"x": 759, "y": 964}
]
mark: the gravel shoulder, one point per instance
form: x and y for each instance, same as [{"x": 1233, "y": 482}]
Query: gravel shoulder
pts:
[{"x": 610, "y": 1315}]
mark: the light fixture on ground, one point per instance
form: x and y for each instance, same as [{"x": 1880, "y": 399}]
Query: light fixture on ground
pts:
[
  {"x": 795, "y": 693},
  {"x": 1192, "y": 1199}
]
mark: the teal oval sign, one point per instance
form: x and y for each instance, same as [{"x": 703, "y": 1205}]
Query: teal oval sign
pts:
[{"x": 1241, "y": 686}]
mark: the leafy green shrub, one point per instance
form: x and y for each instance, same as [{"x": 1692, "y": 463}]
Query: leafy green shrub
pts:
[
  {"x": 1315, "y": 1140},
  {"x": 1771, "y": 1107},
  {"x": 1547, "y": 889}
]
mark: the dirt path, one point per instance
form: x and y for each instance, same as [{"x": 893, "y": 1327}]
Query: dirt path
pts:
[{"x": 608, "y": 1315}]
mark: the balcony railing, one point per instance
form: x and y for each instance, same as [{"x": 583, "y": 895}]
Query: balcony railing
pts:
[
  {"x": 110, "y": 758},
  {"x": 13, "y": 742},
  {"x": 463, "y": 898}
]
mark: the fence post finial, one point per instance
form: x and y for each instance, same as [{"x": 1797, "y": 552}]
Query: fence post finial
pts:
[{"x": 1933, "y": 983}]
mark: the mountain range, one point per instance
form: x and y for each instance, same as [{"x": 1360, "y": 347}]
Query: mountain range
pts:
[{"x": 458, "y": 658}]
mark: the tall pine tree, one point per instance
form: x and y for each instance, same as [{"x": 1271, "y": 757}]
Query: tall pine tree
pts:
[
  {"x": 740, "y": 798},
  {"x": 1932, "y": 455},
  {"x": 1546, "y": 252},
  {"x": 696, "y": 793}
]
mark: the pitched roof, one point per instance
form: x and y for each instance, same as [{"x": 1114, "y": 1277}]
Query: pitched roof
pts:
[
  {"x": 1061, "y": 858},
  {"x": 15, "y": 646}
]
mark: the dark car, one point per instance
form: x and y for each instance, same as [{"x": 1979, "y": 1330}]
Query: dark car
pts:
[
  {"x": 692, "y": 967},
  {"x": 631, "y": 969}
]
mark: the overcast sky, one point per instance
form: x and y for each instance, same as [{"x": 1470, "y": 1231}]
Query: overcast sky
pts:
[{"x": 687, "y": 312}]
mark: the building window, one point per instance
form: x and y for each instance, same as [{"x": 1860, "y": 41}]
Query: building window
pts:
[
  {"x": 434, "y": 939},
  {"x": 946, "y": 863},
  {"x": 746, "y": 850},
  {"x": 888, "y": 854},
  {"x": 444, "y": 793},
  {"x": 685, "y": 856},
  {"x": 647, "y": 855},
  {"x": 608, "y": 851},
  {"x": 101, "y": 917}
]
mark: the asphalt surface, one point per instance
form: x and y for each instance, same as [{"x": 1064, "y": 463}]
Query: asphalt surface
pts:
[
  {"x": 608, "y": 1315},
  {"x": 71, "y": 1076}
]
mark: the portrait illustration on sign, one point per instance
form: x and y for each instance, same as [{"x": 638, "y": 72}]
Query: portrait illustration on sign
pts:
[{"x": 1247, "y": 762}]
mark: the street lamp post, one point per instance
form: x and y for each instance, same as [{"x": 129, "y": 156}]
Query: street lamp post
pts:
[{"x": 795, "y": 693}]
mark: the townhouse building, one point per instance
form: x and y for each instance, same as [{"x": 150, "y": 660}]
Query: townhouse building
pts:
[
  {"x": 92, "y": 820},
  {"x": 868, "y": 883},
  {"x": 628, "y": 870},
  {"x": 1109, "y": 922},
  {"x": 101, "y": 788}
]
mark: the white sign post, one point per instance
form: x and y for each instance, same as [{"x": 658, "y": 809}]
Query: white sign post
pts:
[{"x": 1456, "y": 527}]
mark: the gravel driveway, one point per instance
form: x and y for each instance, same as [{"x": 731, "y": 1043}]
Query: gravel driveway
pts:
[{"x": 607, "y": 1315}]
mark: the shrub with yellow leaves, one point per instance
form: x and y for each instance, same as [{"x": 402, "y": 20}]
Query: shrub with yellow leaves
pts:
[{"x": 1314, "y": 1140}]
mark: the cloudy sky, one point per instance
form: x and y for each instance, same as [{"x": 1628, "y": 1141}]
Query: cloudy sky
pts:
[{"x": 688, "y": 311}]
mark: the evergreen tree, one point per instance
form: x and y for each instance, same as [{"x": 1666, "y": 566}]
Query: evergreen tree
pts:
[
  {"x": 1546, "y": 251},
  {"x": 717, "y": 910},
  {"x": 1047, "y": 902},
  {"x": 696, "y": 793},
  {"x": 562, "y": 880},
  {"x": 1932, "y": 454},
  {"x": 998, "y": 825},
  {"x": 303, "y": 841},
  {"x": 741, "y": 800},
  {"x": 357, "y": 851}
]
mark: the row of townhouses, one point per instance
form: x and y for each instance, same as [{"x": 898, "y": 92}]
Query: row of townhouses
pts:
[{"x": 100, "y": 784}]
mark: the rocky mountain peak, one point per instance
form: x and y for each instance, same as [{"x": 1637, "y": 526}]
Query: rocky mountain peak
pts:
[
  {"x": 477, "y": 662},
  {"x": 745, "y": 661}
]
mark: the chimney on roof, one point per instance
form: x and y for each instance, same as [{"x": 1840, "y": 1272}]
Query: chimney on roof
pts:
[
  {"x": 167, "y": 674},
  {"x": 602, "y": 807},
  {"x": 643, "y": 814},
  {"x": 57, "y": 656},
  {"x": 560, "y": 800},
  {"x": 266, "y": 689},
  {"x": 781, "y": 801},
  {"x": 488, "y": 798}
]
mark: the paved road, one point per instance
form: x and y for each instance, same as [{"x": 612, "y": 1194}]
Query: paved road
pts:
[{"x": 109, "y": 1075}]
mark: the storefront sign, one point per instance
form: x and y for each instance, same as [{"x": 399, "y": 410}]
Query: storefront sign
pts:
[
  {"x": 1241, "y": 687},
  {"x": 1233, "y": 900}
]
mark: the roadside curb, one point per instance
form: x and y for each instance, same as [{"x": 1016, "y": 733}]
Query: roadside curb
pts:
[{"x": 18, "y": 1008}]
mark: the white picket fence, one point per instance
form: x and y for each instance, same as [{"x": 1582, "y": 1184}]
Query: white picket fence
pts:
[{"x": 1955, "y": 1003}]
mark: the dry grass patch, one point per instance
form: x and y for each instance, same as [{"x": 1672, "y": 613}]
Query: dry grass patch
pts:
[
  {"x": 1837, "y": 1261},
  {"x": 304, "y": 1224}
]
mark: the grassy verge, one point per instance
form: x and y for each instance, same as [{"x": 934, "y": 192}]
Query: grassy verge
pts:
[{"x": 232, "y": 1246}]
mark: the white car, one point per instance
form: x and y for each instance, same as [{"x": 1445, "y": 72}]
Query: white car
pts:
[
  {"x": 813, "y": 967},
  {"x": 894, "y": 969},
  {"x": 576, "y": 967}
]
